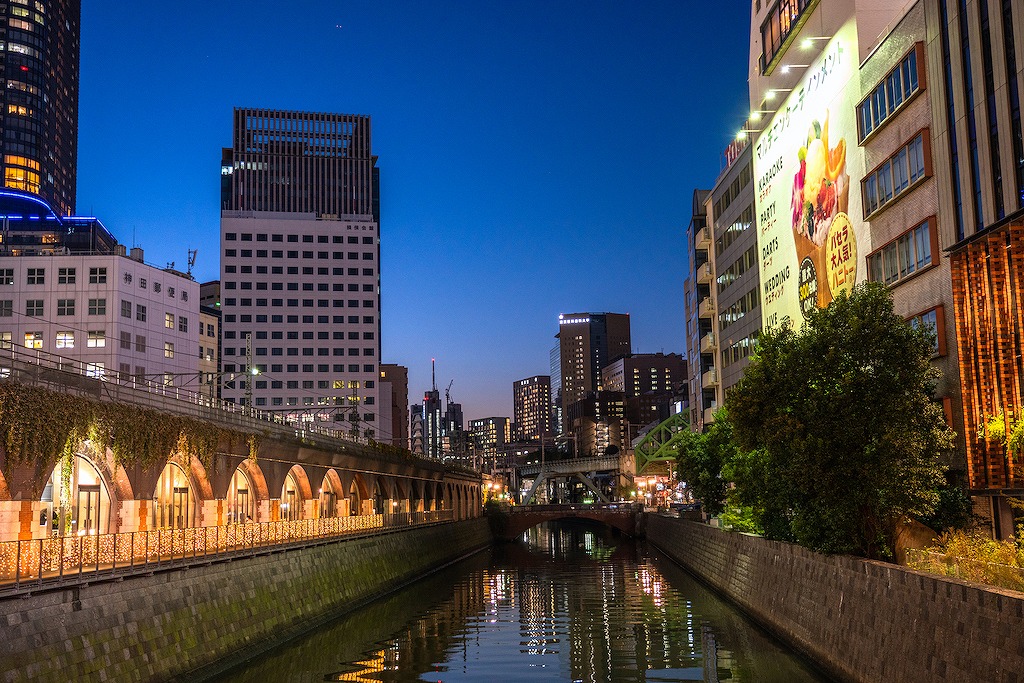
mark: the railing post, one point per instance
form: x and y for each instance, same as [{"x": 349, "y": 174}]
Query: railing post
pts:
[
  {"x": 40, "y": 574},
  {"x": 17, "y": 566}
]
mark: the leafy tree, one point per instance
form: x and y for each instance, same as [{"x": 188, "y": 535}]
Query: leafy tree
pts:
[
  {"x": 702, "y": 459},
  {"x": 841, "y": 432}
]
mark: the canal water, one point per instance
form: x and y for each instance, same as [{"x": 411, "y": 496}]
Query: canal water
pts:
[{"x": 570, "y": 602}]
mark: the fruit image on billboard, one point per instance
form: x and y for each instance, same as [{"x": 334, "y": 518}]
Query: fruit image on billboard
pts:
[{"x": 809, "y": 246}]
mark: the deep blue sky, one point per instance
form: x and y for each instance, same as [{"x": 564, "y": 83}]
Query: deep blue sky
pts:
[{"x": 536, "y": 157}]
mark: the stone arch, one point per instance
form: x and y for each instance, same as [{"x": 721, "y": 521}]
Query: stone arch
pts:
[
  {"x": 303, "y": 507},
  {"x": 357, "y": 493},
  {"x": 331, "y": 506},
  {"x": 380, "y": 497}
]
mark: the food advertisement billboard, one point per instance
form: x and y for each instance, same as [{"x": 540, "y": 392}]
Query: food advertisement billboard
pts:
[{"x": 810, "y": 236}]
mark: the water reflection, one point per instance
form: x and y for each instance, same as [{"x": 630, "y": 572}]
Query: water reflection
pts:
[{"x": 573, "y": 603}]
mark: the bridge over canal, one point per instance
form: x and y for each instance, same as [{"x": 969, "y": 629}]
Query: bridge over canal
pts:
[{"x": 626, "y": 517}]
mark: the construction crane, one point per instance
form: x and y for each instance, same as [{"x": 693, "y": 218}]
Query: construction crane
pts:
[
  {"x": 447, "y": 394},
  {"x": 192, "y": 253}
]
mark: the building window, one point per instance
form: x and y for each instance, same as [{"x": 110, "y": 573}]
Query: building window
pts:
[
  {"x": 97, "y": 339},
  {"x": 36, "y": 276},
  {"x": 140, "y": 343},
  {"x": 897, "y": 88},
  {"x": 34, "y": 307},
  {"x": 97, "y": 306},
  {"x": 65, "y": 340},
  {"x": 33, "y": 340},
  {"x": 65, "y": 276},
  {"x": 6, "y": 308},
  {"x": 182, "y": 324},
  {"x": 126, "y": 341},
  {"x": 780, "y": 24},
  {"x": 6, "y": 276},
  {"x": 169, "y": 320},
  {"x": 907, "y": 254},
  {"x": 896, "y": 175},
  {"x": 168, "y": 350},
  {"x": 140, "y": 313},
  {"x": 97, "y": 276},
  {"x": 934, "y": 319},
  {"x": 65, "y": 306},
  {"x": 126, "y": 309}
]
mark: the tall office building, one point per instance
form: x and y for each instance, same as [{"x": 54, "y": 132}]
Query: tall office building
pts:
[
  {"x": 395, "y": 379},
  {"x": 39, "y": 103},
  {"x": 555, "y": 364},
  {"x": 531, "y": 408},
  {"x": 587, "y": 343},
  {"x": 300, "y": 261}
]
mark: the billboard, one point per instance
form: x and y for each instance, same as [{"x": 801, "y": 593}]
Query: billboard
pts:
[{"x": 811, "y": 240}]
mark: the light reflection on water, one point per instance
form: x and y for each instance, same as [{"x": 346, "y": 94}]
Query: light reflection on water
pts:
[{"x": 570, "y": 604}]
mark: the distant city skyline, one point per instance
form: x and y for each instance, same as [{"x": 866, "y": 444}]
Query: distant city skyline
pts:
[{"x": 529, "y": 154}]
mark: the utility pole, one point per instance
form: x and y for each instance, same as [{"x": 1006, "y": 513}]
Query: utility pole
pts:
[{"x": 248, "y": 370}]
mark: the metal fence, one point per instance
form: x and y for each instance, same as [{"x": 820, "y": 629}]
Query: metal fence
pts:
[
  {"x": 988, "y": 573},
  {"x": 50, "y": 562}
]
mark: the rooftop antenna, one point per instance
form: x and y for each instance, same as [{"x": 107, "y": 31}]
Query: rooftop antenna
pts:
[
  {"x": 433, "y": 377},
  {"x": 191, "y": 260}
]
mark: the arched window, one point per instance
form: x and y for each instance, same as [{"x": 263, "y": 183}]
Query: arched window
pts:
[
  {"x": 291, "y": 499},
  {"x": 328, "y": 499},
  {"x": 80, "y": 505},
  {"x": 241, "y": 499},
  {"x": 173, "y": 505}
]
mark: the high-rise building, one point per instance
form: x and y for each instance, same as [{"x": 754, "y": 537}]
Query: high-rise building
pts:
[
  {"x": 300, "y": 263},
  {"x": 555, "y": 364},
  {"x": 39, "y": 102},
  {"x": 416, "y": 429},
  {"x": 395, "y": 379},
  {"x": 489, "y": 436},
  {"x": 649, "y": 382},
  {"x": 531, "y": 408},
  {"x": 588, "y": 342}
]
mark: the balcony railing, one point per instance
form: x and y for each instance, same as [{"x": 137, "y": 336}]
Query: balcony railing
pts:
[
  {"x": 707, "y": 343},
  {"x": 706, "y": 308},
  {"x": 705, "y": 274},
  {"x": 32, "y": 565}
]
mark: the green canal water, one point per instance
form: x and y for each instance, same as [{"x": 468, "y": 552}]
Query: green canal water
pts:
[{"x": 568, "y": 603}]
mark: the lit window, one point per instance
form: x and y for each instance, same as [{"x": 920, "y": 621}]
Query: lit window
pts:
[
  {"x": 65, "y": 340},
  {"x": 169, "y": 320},
  {"x": 168, "y": 350},
  {"x": 33, "y": 340},
  {"x": 97, "y": 339}
]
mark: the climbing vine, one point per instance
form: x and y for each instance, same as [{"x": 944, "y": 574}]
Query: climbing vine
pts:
[{"x": 41, "y": 427}]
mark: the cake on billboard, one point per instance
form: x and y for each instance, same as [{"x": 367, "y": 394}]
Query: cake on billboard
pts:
[{"x": 810, "y": 245}]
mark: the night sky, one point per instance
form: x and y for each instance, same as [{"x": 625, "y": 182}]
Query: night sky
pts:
[{"x": 536, "y": 157}]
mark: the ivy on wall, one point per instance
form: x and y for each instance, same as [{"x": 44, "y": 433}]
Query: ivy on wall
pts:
[{"x": 38, "y": 426}]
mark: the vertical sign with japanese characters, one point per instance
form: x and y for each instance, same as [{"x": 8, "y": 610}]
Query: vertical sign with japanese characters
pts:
[{"x": 810, "y": 238}]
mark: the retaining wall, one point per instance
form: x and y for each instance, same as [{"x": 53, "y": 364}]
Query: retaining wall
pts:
[
  {"x": 859, "y": 620},
  {"x": 189, "y": 624}
]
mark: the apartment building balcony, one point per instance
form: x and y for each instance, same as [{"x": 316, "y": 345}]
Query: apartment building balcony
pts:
[
  {"x": 706, "y": 308},
  {"x": 709, "y": 413},
  {"x": 709, "y": 378},
  {"x": 702, "y": 240},
  {"x": 708, "y": 343},
  {"x": 705, "y": 274}
]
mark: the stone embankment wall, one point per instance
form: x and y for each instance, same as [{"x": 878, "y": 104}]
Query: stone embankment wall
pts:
[
  {"x": 190, "y": 624},
  {"x": 859, "y": 620}
]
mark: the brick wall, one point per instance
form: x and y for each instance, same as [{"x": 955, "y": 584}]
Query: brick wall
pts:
[
  {"x": 193, "y": 623},
  {"x": 859, "y": 620}
]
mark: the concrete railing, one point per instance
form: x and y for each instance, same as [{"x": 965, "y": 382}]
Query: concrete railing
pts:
[{"x": 30, "y": 565}]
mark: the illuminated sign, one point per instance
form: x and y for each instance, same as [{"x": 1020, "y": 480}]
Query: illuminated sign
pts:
[
  {"x": 802, "y": 162},
  {"x": 572, "y": 321}
]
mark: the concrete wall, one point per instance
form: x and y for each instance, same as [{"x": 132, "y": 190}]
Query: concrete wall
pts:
[
  {"x": 860, "y": 620},
  {"x": 189, "y": 624}
]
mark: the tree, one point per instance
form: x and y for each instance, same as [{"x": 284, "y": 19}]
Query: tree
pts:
[
  {"x": 702, "y": 459},
  {"x": 842, "y": 432}
]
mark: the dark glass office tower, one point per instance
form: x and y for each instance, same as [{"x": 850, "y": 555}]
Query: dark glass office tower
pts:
[{"x": 39, "y": 103}]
